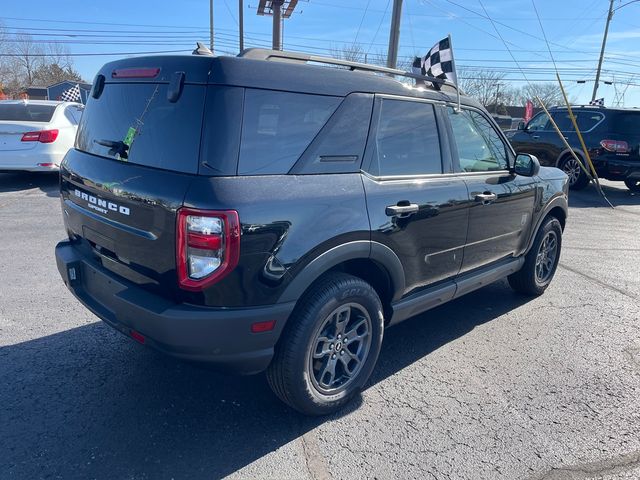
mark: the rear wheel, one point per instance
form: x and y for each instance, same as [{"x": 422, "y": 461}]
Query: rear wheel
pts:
[
  {"x": 577, "y": 177},
  {"x": 633, "y": 184},
  {"x": 542, "y": 260},
  {"x": 329, "y": 347}
]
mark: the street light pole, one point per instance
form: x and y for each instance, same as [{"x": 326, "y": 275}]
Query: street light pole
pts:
[
  {"x": 240, "y": 25},
  {"x": 211, "y": 25},
  {"x": 276, "y": 8},
  {"x": 394, "y": 34}
]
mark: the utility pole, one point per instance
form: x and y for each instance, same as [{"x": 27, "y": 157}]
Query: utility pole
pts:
[
  {"x": 279, "y": 10},
  {"x": 241, "y": 25},
  {"x": 211, "y": 25},
  {"x": 394, "y": 34},
  {"x": 276, "y": 7},
  {"x": 604, "y": 42}
]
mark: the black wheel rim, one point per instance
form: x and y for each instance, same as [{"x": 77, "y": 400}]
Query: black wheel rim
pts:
[
  {"x": 546, "y": 258},
  {"x": 339, "y": 348},
  {"x": 572, "y": 168}
]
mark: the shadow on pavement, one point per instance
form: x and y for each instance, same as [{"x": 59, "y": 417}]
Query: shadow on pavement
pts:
[
  {"x": 21, "y": 181},
  {"x": 617, "y": 193},
  {"x": 88, "y": 403}
]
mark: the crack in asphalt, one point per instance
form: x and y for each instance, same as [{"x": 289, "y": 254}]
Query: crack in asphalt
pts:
[
  {"x": 586, "y": 471},
  {"x": 599, "y": 282},
  {"x": 316, "y": 465}
]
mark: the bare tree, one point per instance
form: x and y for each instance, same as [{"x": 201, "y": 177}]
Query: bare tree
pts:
[
  {"x": 483, "y": 85},
  {"x": 550, "y": 94},
  {"x": 27, "y": 54},
  {"x": 353, "y": 52}
]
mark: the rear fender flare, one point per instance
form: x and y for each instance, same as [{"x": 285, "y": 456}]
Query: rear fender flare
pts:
[
  {"x": 361, "y": 249},
  {"x": 566, "y": 151}
]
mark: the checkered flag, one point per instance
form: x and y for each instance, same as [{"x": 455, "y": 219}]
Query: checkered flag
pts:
[
  {"x": 71, "y": 95},
  {"x": 598, "y": 102},
  {"x": 438, "y": 62}
]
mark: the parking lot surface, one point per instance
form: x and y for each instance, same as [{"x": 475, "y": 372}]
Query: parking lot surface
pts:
[{"x": 491, "y": 386}]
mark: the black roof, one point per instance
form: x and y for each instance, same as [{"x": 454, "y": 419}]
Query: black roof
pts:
[{"x": 275, "y": 75}]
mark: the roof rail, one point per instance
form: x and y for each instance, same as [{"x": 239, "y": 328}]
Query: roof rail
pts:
[{"x": 265, "y": 54}]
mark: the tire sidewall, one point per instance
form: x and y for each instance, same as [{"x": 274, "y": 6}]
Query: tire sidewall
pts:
[
  {"x": 551, "y": 224},
  {"x": 362, "y": 294}
]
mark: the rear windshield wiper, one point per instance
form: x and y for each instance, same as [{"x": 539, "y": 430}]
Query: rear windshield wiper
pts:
[{"x": 115, "y": 147}]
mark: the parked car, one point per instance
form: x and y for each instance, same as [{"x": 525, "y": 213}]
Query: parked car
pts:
[
  {"x": 35, "y": 135},
  {"x": 259, "y": 212},
  {"x": 611, "y": 135}
]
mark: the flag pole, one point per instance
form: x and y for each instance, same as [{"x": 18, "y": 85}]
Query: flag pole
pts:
[{"x": 453, "y": 66}]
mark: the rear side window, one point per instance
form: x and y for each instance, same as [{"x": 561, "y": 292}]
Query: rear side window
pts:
[
  {"x": 137, "y": 123},
  {"x": 626, "y": 123},
  {"x": 277, "y": 127},
  {"x": 406, "y": 140},
  {"x": 586, "y": 120},
  {"x": 26, "y": 112}
]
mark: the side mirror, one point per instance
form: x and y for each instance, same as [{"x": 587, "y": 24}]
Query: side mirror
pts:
[
  {"x": 527, "y": 165},
  {"x": 521, "y": 126}
]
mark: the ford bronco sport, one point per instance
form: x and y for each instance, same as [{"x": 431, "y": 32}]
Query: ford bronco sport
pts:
[{"x": 266, "y": 212}]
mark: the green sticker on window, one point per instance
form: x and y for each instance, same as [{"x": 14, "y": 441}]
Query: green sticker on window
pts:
[{"x": 128, "y": 139}]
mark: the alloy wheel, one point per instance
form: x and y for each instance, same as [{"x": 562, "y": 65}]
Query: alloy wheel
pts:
[
  {"x": 572, "y": 168},
  {"x": 546, "y": 258},
  {"x": 339, "y": 348}
]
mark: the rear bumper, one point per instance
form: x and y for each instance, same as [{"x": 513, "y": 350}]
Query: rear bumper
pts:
[
  {"x": 617, "y": 168},
  {"x": 218, "y": 336},
  {"x": 30, "y": 161}
]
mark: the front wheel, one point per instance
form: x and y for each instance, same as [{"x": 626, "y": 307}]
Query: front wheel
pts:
[
  {"x": 329, "y": 347},
  {"x": 577, "y": 177},
  {"x": 541, "y": 261},
  {"x": 633, "y": 184}
]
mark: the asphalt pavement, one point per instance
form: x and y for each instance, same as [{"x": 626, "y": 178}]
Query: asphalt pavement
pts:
[{"x": 491, "y": 386}]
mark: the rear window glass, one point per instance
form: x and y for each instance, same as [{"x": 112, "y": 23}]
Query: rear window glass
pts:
[
  {"x": 26, "y": 112},
  {"x": 136, "y": 123},
  {"x": 277, "y": 127},
  {"x": 626, "y": 123}
]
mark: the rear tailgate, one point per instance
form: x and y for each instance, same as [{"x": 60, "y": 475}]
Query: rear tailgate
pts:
[
  {"x": 136, "y": 152},
  {"x": 124, "y": 215}
]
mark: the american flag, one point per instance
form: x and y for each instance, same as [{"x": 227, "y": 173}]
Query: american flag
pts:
[
  {"x": 598, "y": 102},
  {"x": 72, "y": 95}
]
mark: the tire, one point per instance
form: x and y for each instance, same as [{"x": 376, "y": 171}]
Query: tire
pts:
[
  {"x": 633, "y": 184},
  {"x": 314, "y": 371},
  {"x": 539, "y": 267},
  {"x": 577, "y": 177}
]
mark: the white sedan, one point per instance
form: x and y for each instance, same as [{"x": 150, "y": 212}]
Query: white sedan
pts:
[{"x": 35, "y": 135}]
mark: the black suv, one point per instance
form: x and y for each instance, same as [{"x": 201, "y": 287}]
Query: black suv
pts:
[
  {"x": 259, "y": 212},
  {"x": 611, "y": 135}
]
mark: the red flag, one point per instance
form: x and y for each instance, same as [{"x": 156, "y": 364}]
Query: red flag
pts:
[{"x": 528, "y": 111}]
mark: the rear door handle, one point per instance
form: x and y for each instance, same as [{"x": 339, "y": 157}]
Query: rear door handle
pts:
[
  {"x": 405, "y": 210},
  {"x": 535, "y": 137},
  {"x": 486, "y": 198}
]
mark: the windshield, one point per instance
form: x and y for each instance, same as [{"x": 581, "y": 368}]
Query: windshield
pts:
[
  {"x": 138, "y": 124},
  {"x": 26, "y": 112}
]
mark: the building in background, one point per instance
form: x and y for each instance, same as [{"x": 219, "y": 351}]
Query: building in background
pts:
[{"x": 53, "y": 92}]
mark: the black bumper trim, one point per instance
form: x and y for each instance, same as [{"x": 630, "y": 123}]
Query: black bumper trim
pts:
[{"x": 219, "y": 336}]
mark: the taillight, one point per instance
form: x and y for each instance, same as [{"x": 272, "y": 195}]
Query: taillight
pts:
[
  {"x": 42, "y": 136},
  {"x": 617, "y": 146},
  {"x": 208, "y": 246}
]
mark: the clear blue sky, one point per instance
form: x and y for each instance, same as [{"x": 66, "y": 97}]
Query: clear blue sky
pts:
[{"x": 574, "y": 28}]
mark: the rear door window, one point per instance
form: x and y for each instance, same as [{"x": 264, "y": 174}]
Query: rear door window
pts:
[
  {"x": 277, "y": 127},
  {"x": 26, "y": 112},
  {"x": 137, "y": 123},
  {"x": 406, "y": 140}
]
